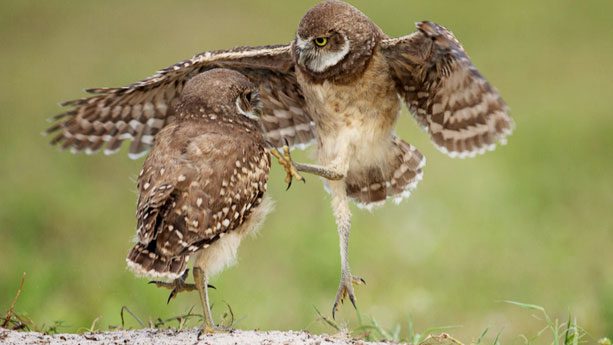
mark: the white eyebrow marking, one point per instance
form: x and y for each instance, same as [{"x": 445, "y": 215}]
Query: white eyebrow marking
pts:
[
  {"x": 327, "y": 60},
  {"x": 301, "y": 42},
  {"x": 249, "y": 114}
]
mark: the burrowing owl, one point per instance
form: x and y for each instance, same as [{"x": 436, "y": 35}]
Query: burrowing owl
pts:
[
  {"x": 201, "y": 190},
  {"x": 340, "y": 82},
  {"x": 353, "y": 76}
]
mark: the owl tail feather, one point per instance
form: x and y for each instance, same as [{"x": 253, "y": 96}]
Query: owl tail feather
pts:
[
  {"x": 395, "y": 180},
  {"x": 147, "y": 263}
]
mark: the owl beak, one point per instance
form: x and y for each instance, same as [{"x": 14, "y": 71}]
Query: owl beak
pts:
[{"x": 301, "y": 56}]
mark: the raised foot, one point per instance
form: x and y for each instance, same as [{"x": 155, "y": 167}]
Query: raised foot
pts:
[
  {"x": 177, "y": 285},
  {"x": 285, "y": 160},
  {"x": 346, "y": 289}
]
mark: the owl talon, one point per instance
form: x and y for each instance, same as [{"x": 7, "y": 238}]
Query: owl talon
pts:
[
  {"x": 178, "y": 285},
  {"x": 208, "y": 329},
  {"x": 212, "y": 329},
  {"x": 285, "y": 160},
  {"x": 345, "y": 289}
]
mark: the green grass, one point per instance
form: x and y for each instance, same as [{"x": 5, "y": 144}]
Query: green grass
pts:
[
  {"x": 554, "y": 331},
  {"x": 531, "y": 221}
]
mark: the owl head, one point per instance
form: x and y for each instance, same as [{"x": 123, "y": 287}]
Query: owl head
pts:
[
  {"x": 222, "y": 91},
  {"x": 334, "y": 41}
]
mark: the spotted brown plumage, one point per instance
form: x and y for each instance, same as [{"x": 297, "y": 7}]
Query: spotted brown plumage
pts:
[
  {"x": 446, "y": 93},
  {"x": 202, "y": 186},
  {"x": 395, "y": 180},
  {"x": 137, "y": 112},
  {"x": 193, "y": 189}
]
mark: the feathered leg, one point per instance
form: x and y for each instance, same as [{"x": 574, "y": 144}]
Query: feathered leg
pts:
[{"x": 342, "y": 213}]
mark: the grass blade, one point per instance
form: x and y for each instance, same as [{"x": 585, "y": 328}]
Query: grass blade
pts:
[
  {"x": 526, "y": 305},
  {"x": 481, "y": 336},
  {"x": 126, "y": 309}
]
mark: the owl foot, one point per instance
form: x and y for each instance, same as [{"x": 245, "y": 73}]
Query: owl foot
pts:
[
  {"x": 210, "y": 329},
  {"x": 346, "y": 289},
  {"x": 285, "y": 160},
  {"x": 177, "y": 285}
]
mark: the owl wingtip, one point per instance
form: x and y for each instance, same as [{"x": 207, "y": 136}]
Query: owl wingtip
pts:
[
  {"x": 138, "y": 155},
  {"x": 141, "y": 271}
]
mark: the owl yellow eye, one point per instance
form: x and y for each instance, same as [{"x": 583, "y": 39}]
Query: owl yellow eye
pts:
[{"x": 321, "y": 41}]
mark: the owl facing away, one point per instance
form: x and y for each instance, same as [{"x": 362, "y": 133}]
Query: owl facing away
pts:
[{"x": 202, "y": 186}]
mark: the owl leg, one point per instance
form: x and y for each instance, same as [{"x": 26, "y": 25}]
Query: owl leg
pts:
[
  {"x": 327, "y": 173},
  {"x": 342, "y": 213},
  {"x": 201, "y": 280},
  {"x": 178, "y": 285}
]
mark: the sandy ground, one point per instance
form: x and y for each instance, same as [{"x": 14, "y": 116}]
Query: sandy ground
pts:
[{"x": 168, "y": 337}]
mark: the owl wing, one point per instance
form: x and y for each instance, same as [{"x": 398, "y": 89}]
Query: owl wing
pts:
[
  {"x": 197, "y": 184},
  {"x": 396, "y": 179},
  {"x": 228, "y": 181},
  {"x": 138, "y": 111},
  {"x": 446, "y": 93}
]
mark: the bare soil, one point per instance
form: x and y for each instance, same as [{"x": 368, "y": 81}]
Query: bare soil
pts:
[{"x": 168, "y": 337}]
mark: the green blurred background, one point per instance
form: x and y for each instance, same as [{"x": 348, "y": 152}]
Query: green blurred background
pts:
[{"x": 531, "y": 222}]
